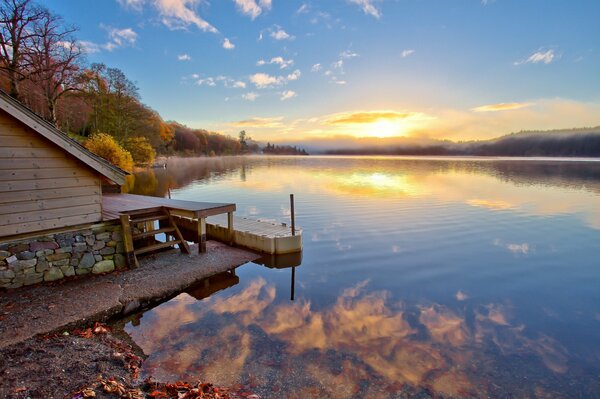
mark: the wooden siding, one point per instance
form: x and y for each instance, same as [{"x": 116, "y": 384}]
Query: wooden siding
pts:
[{"x": 41, "y": 186}]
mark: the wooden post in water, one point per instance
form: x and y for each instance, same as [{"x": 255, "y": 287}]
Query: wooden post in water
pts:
[{"x": 292, "y": 214}]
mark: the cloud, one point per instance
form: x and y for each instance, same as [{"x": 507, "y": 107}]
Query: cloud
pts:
[
  {"x": 405, "y": 53},
  {"x": 294, "y": 75},
  {"x": 280, "y": 34},
  {"x": 180, "y": 14},
  {"x": 250, "y": 96},
  {"x": 367, "y": 7},
  {"x": 501, "y": 107},
  {"x": 263, "y": 80},
  {"x": 545, "y": 57},
  {"x": 286, "y": 95},
  {"x": 88, "y": 47},
  {"x": 363, "y": 117},
  {"x": 251, "y": 8},
  {"x": 303, "y": 9},
  {"x": 133, "y": 4},
  {"x": 116, "y": 38},
  {"x": 316, "y": 68},
  {"x": 348, "y": 54},
  {"x": 206, "y": 82},
  {"x": 273, "y": 122},
  {"x": 227, "y": 44},
  {"x": 226, "y": 81},
  {"x": 184, "y": 57},
  {"x": 282, "y": 62},
  {"x": 122, "y": 37}
]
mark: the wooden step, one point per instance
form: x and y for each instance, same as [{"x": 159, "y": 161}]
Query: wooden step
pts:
[
  {"x": 155, "y": 247},
  {"x": 149, "y": 218},
  {"x": 153, "y": 232}
]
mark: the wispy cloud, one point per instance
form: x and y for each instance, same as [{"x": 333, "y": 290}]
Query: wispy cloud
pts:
[
  {"x": 180, "y": 14},
  {"x": 541, "y": 56},
  {"x": 303, "y": 9},
  {"x": 286, "y": 95},
  {"x": 184, "y": 57},
  {"x": 89, "y": 47},
  {"x": 125, "y": 37},
  {"x": 348, "y": 54},
  {"x": 250, "y": 96},
  {"x": 251, "y": 8},
  {"x": 282, "y": 62},
  {"x": 368, "y": 7},
  {"x": 227, "y": 45},
  {"x": 407, "y": 52},
  {"x": 133, "y": 4},
  {"x": 501, "y": 107},
  {"x": 273, "y": 122},
  {"x": 122, "y": 37},
  {"x": 278, "y": 33},
  {"x": 364, "y": 117},
  {"x": 264, "y": 80},
  {"x": 226, "y": 81},
  {"x": 316, "y": 68}
]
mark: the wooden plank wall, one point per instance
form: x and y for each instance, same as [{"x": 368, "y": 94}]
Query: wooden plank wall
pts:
[{"x": 42, "y": 187}]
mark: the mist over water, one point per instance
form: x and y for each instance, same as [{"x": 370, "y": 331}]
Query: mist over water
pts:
[{"x": 456, "y": 277}]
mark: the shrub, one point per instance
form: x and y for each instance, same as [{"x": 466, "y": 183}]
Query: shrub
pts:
[
  {"x": 141, "y": 150},
  {"x": 106, "y": 147}
]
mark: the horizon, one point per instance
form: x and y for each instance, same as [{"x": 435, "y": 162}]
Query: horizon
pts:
[{"x": 367, "y": 70}]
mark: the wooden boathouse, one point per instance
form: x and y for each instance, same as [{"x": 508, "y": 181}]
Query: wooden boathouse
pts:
[{"x": 61, "y": 211}]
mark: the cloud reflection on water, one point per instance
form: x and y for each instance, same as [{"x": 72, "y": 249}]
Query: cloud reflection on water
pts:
[{"x": 362, "y": 338}]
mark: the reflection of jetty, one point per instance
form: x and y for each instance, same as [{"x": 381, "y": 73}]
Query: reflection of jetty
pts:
[{"x": 210, "y": 285}]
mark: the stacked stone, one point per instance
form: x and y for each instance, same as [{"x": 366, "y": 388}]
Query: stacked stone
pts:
[{"x": 49, "y": 258}]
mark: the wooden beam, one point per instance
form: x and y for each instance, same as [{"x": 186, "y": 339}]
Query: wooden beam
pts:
[
  {"x": 132, "y": 261},
  {"x": 201, "y": 235},
  {"x": 230, "y": 227}
]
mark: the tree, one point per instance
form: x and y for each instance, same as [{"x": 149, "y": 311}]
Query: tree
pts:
[
  {"x": 54, "y": 59},
  {"x": 243, "y": 142},
  {"x": 17, "y": 21},
  {"x": 141, "y": 150},
  {"x": 106, "y": 147}
]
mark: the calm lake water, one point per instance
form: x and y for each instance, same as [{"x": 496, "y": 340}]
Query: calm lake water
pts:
[{"x": 429, "y": 277}]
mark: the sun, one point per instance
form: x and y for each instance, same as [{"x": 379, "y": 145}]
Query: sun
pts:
[{"x": 384, "y": 128}]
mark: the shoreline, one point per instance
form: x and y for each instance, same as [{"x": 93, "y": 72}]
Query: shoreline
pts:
[{"x": 52, "y": 337}]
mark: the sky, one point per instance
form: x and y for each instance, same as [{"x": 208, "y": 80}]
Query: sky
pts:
[{"x": 333, "y": 70}]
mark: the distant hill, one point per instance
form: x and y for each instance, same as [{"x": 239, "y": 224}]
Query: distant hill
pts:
[{"x": 584, "y": 142}]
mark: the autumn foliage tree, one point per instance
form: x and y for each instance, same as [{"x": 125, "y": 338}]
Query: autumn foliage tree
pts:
[
  {"x": 42, "y": 65},
  {"x": 106, "y": 146},
  {"x": 141, "y": 150}
]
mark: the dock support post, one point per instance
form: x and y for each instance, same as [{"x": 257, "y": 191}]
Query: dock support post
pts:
[
  {"x": 201, "y": 235},
  {"x": 132, "y": 261},
  {"x": 230, "y": 227},
  {"x": 293, "y": 216}
]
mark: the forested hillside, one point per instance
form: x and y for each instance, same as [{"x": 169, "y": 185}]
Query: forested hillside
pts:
[{"x": 43, "y": 65}]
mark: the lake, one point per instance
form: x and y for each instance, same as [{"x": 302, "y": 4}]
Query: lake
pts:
[{"x": 419, "y": 276}]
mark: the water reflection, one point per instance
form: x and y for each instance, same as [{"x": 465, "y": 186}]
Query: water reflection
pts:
[
  {"x": 462, "y": 278},
  {"x": 364, "y": 343},
  {"x": 494, "y": 184}
]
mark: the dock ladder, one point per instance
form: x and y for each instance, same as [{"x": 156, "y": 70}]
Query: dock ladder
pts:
[{"x": 139, "y": 233}]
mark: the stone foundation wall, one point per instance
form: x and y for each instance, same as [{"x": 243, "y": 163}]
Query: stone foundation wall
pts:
[{"x": 53, "y": 257}]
